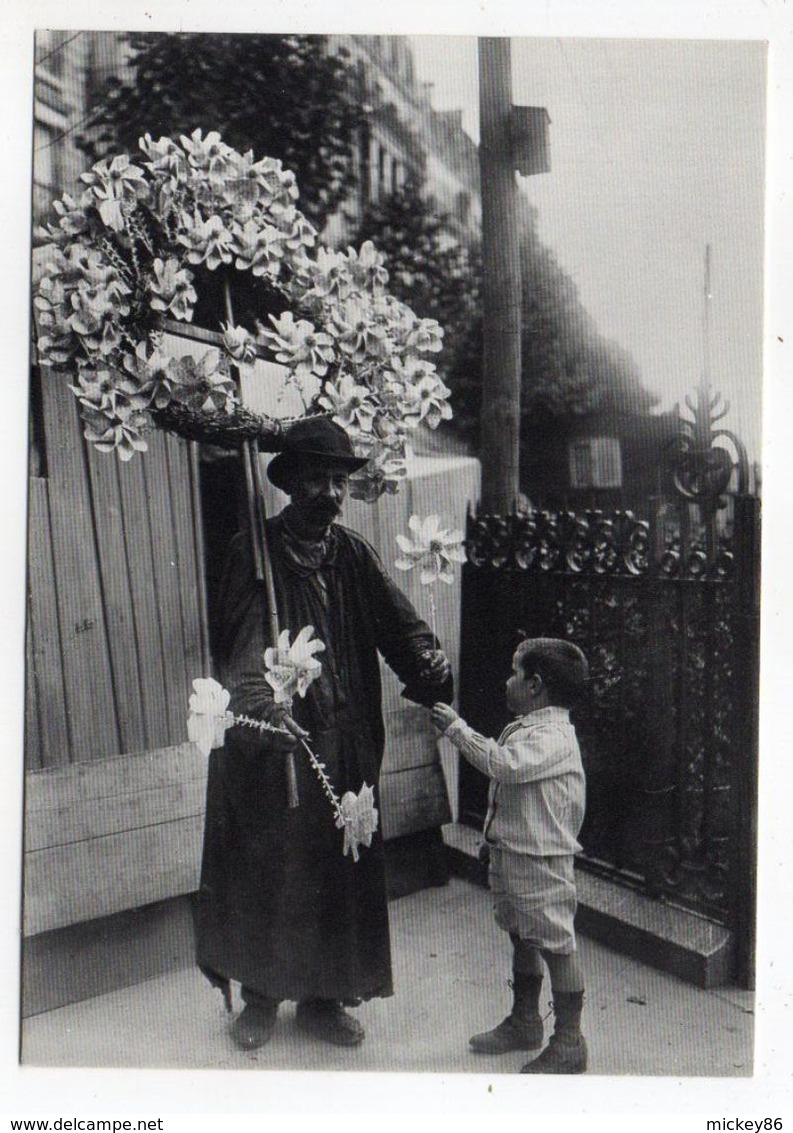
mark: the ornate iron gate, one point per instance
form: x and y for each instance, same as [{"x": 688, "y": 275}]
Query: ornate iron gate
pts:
[{"x": 666, "y": 609}]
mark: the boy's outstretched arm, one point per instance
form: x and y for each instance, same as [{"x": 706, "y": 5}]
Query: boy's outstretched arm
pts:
[{"x": 518, "y": 760}]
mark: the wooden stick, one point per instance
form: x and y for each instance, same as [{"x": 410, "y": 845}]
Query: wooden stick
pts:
[
  {"x": 264, "y": 568},
  {"x": 269, "y": 589}
]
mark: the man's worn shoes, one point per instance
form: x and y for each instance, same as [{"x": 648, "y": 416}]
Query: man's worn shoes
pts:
[
  {"x": 254, "y": 1025},
  {"x": 561, "y": 1056},
  {"x": 510, "y": 1034},
  {"x": 327, "y": 1020}
]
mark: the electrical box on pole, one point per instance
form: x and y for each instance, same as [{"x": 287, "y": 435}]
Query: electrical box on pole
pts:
[{"x": 530, "y": 138}]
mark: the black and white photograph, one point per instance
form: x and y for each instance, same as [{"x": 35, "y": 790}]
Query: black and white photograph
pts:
[{"x": 392, "y": 506}]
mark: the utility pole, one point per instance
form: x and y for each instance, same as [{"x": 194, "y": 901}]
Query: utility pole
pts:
[{"x": 500, "y": 419}]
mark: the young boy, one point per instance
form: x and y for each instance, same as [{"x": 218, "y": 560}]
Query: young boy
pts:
[{"x": 535, "y": 810}]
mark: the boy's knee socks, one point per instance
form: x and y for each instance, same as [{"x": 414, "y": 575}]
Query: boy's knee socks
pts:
[
  {"x": 526, "y": 988},
  {"x": 567, "y": 1006}
]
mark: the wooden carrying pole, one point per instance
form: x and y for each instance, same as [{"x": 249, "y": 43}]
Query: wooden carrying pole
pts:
[
  {"x": 502, "y": 283},
  {"x": 257, "y": 517}
]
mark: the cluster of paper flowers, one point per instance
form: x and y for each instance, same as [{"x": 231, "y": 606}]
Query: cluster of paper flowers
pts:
[{"x": 130, "y": 253}]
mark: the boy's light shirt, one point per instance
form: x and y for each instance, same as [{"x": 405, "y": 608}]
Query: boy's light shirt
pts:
[{"x": 537, "y": 786}]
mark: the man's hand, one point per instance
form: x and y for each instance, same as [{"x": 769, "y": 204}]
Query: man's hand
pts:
[
  {"x": 442, "y": 716},
  {"x": 435, "y": 665},
  {"x": 281, "y": 741}
]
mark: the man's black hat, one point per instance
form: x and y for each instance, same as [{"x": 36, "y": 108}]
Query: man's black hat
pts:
[{"x": 316, "y": 437}]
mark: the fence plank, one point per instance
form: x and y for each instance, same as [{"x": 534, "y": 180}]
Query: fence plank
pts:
[
  {"x": 88, "y": 800},
  {"x": 45, "y": 663},
  {"x": 90, "y": 700},
  {"x": 189, "y": 569},
  {"x": 33, "y": 743},
  {"x": 200, "y": 556},
  {"x": 147, "y": 618},
  {"x": 128, "y": 869},
  {"x": 112, "y": 835},
  {"x": 34, "y": 756},
  {"x": 167, "y": 583},
  {"x": 114, "y": 553}
]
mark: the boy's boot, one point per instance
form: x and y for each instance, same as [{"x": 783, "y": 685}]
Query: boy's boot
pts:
[
  {"x": 522, "y": 1028},
  {"x": 566, "y": 1053}
]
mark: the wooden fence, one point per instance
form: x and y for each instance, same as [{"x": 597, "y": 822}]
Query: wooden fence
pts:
[
  {"x": 116, "y": 633},
  {"x": 115, "y": 630}
]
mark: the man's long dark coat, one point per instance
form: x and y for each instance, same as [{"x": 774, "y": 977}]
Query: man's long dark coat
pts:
[{"x": 280, "y": 908}]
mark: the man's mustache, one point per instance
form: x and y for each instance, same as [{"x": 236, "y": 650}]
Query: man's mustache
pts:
[{"x": 322, "y": 509}]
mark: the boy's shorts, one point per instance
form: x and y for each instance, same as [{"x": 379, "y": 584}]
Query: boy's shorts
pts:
[{"x": 535, "y": 898}]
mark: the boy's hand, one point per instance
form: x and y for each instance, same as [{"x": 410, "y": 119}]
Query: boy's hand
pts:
[{"x": 442, "y": 716}]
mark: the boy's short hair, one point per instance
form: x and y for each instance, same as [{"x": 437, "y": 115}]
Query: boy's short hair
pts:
[{"x": 562, "y": 666}]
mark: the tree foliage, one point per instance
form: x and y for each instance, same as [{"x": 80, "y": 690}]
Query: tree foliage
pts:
[
  {"x": 282, "y": 96},
  {"x": 429, "y": 267},
  {"x": 569, "y": 370}
]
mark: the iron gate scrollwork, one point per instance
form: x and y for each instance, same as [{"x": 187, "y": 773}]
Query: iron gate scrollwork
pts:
[{"x": 665, "y": 608}]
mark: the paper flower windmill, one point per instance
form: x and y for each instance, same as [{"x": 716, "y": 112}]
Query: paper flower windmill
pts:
[
  {"x": 209, "y": 716},
  {"x": 292, "y": 668},
  {"x": 433, "y": 552},
  {"x": 359, "y": 818}
]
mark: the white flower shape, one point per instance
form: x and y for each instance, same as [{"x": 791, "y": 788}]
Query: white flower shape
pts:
[
  {"x": 292, "y": 668},
  {"x": 113, "y": 184},
  {"x": 104, "y": 392},
  {"x": 296, "y": 231},
  {"x": 207, "y": 241},
  {"x": 358, "y": 818},
  {"x": 209, "y": 154},
  {"x": 239, "y": 344},
  {"x": 428, "y": 399},
  {"x": 172, "y": 289},
  {"x": 425, "y": 336},
  {"x": 205, "y": 382},
  {"x": 209, "y": 715},
  {"x": 331, "y": 275},
  {"x": 357, "y": 330},
  {"x": 166, "y": 158},
  {"x": 300, "y": 346},
  {"x": 386, "y": 468},
  {"x": 350, "y": 404},
  {"x": 433, "y": 550},
  {"x": 368, "y": 267},
  {"x": 154, "y": 371},
  {"x": 119, "y": 430},
  {"x": 258, "y": 248}
]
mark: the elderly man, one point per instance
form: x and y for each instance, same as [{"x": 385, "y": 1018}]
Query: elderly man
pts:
[{"x": 281, "y": 909}]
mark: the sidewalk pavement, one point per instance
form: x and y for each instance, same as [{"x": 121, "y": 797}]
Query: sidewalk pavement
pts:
[{"x": 451, "y": 966}]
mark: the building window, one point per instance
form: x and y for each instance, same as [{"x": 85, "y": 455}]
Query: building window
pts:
[
  {"x": 36, "y": 434},
  {"x": 382, "y": 173},
  {"x": 44, "y": 171},
  {"x": 375, "y": 166},
  {"x": 595, "y": 462}
]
